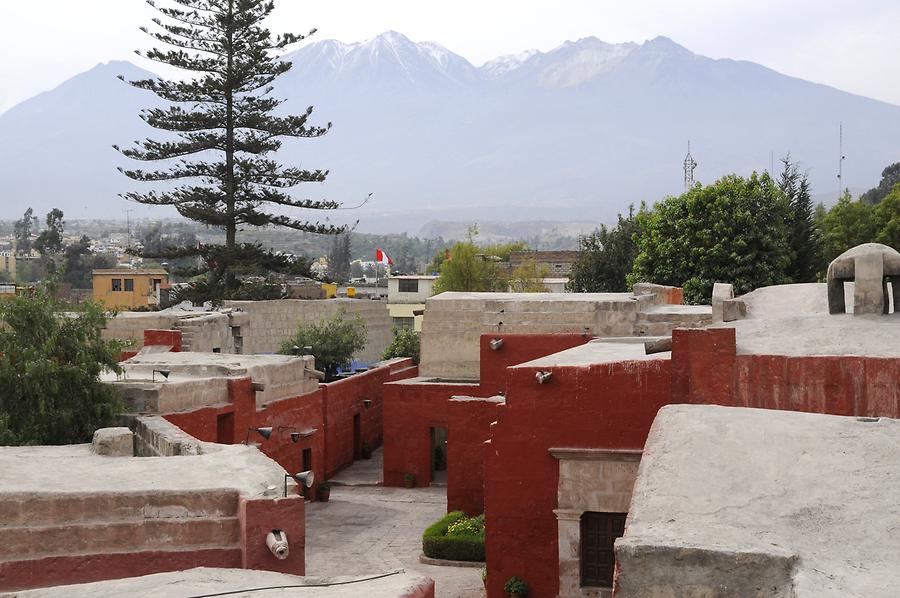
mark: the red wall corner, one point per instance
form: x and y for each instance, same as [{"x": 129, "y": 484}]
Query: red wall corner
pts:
[
  {"x": 260, "y": 516},
  {"x": 166, "y": 338}
]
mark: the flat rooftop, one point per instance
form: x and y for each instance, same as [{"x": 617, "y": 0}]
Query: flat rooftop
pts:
[
  {"x": 725, "y": 492},
  {"x": 241, "y": 583},
  {"x": 598, "y": 351},
  {"x": 46, "y": 470},
  {"x": 553, "y": 297}
]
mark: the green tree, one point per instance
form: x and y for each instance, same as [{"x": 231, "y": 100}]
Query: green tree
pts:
[
  {"x": 890, "y": 177},
  {"x": 23, "y": 231},
  {"x": 50, "y": 241},
  {"x": 79, "y": 263},
  {"x": 736, "y": 230},
  {"x": 607, "y": 256},
  {"x": 847, "y": 224},
  {"x": 226, "y": 125},
  {"x": 404, "y": 343},
  {"x": 339, "y": 259},
  {"x": 806, "y": 249},
  {"x": 886, "y": 217},
  {"x": 334, "y": 341},
  {"x": 470, "y": 268},
  {"x": 528, "y": 277},
  {"x": 50, "y": 366}
]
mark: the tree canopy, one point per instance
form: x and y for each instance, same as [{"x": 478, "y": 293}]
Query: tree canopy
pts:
[
  {"x": 226, "y": 126},
  {"x": 50, "y": 366},
  {"x": 735, "y": 230},
  {"x": 607, "y": 255},
  {"x": 334, "y": 341}
]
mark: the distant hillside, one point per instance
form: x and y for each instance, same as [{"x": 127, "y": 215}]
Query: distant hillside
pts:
[{"x": 574, "y": 134}]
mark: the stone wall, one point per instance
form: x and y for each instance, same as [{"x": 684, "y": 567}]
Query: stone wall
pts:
[
  {"x": 130, "y": 326},
  {"x": 270, "y": 323},
  {"x": 156, "y": 437},
  {"x": 454, "y": 322}
]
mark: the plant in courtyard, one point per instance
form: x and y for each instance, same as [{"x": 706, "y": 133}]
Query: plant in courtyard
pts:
[
  {"x": 50, "y": 366},
  {"x": 404, "y": 343},
  {"x": 334, "y": 341},
  {"x": 455, "y": 537},
  {"x": 323, "y": 491},
  {"x": 516, "y": 586},
  {"x": 366, "y": 450},
  {"x": 223, "y": 127},
  {"x": 409, "y": 480}
]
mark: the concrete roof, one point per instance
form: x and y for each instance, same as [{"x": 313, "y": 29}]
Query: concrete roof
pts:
[
  {"x": 816, "y": 494},
  {"x": 126, "y": 271},
  {"x": 596, "y": 352},
  {"x": 554, "y": 297},
  {"x": 843, "y": 334},
  {"x": 189, "y": 365},
  {"x": 75, "y": 469},
  {"x": 209, "y": 581}
]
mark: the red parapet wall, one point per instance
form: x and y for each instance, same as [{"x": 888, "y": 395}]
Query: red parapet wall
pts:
[
  {"x": 516, "y": 349},
  {"x": 166, "y": 338},
  {"x": 600, "y": 406},
  {"x": 65, "y": 570}
]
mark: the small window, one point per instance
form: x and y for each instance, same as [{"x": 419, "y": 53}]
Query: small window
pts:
[
  {"x": 129, "y": 285},
  {"x": 598, "y": 537},
  {"x": 157, "y": 282},
  {"x": 116, "y": 284},
  {"x": 407, "y": 323},
  {"x": 409, "y": 286}
]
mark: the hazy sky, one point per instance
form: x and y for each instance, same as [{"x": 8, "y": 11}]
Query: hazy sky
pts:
[{"x": 853, "y": 45}]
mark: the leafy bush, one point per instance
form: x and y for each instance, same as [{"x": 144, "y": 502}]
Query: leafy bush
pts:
[
  {"x": 516, "y": 586},
  {"x": 455, "y": 537},
  {"x": 404, "y": 343},
  {"x": 333, "y": 341},
  {"x": 50, "y": 366}
]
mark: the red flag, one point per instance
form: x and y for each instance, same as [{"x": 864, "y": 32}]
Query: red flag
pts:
[{"x": 383, "y": 258}]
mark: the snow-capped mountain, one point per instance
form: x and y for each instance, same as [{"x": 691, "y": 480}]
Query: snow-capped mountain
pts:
[{"x": 574, "y": 133}]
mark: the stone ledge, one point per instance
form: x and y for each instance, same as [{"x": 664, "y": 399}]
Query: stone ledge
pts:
[
  {"x": 592, "y": 454},
  {"x": 427, "y": 560}
]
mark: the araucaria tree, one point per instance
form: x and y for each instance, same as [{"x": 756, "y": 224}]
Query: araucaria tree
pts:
[{"x": 219, "y": 162}]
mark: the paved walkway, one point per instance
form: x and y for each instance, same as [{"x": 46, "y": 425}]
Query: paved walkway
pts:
[{"x": 372, "y": 529}]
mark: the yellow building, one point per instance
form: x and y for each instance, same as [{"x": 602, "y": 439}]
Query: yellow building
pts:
[
  {"x": 8, "y": 264},
  {"x": 128, "y": 289}
]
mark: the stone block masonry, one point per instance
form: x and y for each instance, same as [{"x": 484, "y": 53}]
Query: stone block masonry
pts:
[{"x": 270, "y": 323}]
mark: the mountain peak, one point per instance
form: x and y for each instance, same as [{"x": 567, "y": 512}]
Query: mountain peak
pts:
[{"x": 663, "y": 44}]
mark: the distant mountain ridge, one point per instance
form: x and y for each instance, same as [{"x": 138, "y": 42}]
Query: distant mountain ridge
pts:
[{"x": 576, "y": 133}]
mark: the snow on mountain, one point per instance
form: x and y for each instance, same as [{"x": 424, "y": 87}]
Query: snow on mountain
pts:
[{"x": 575, "y": 133}]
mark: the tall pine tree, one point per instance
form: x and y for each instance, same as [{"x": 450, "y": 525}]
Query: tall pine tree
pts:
[
  {"x": 225, "y": 129},
  {"x": 805, "y": 240}
]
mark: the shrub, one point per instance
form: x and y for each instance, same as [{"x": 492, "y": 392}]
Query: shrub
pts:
[
  {"x": 455, "y": 537},
  {"x": 404, "y": 343},
  {"x": 333, "y": 341},
  {"x": 516, "y": 586}
]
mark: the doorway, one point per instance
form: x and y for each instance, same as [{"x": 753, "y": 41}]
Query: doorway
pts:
[
  {"x": 225, "y": 428},
  {"x": 438, "y": 456}
]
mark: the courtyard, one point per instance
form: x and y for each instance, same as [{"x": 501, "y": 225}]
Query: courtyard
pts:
[{"x": 367, "y": 528}]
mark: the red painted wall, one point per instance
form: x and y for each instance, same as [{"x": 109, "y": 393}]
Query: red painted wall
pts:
[
  {"x": 170, "y": 338},
  {"x": 608, "y": 406},
  {"x": 410, "y": 411},
  {"x": 469, "y": 427},
  {"x": 516, "y": 349},
  {"x": 258, "y": 517},
  {"x": 706, "y": 370}
]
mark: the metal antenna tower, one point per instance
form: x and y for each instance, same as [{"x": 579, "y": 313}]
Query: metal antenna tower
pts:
[
  {"x": 841, "y": 159},
  {"x": 689, "y": 165}
]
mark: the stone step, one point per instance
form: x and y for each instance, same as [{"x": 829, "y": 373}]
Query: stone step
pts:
[
  {"x": 36, "y": 541},
  {"x": 61, "y": 509}
]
